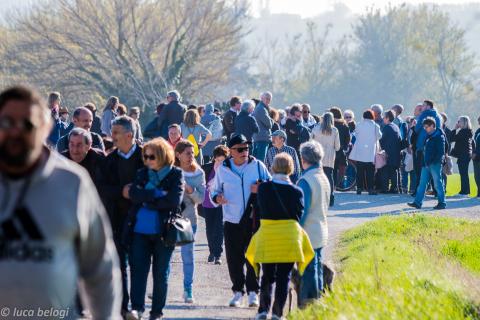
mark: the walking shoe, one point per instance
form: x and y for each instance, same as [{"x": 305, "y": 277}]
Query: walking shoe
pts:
[
  {"x": 236, "y": 301},
  {"x": 153, "y": 317},
  {"x": 134, "y": 315},
  {"x": 439, "y": 207},
  {"x": 211, "y": 258},
  {"x": 218, "y": 261},
  {"x": 275, "y": 317},
  {"x": 188, "y": 296},
  {"x": 253, "y": 299},
  {"x": 414, "y": 205},
  {"x": 261, "y": 316}
]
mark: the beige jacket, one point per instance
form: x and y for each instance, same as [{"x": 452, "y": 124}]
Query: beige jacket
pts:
[
  {"x": 330, "y": 144},
  {"x": 315, "y": 223}
]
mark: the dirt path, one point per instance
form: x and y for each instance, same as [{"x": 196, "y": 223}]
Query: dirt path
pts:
[{"x": 212, "y": 284}]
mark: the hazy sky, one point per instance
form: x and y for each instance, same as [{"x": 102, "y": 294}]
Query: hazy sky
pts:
[{"x": 308, "y": 8}]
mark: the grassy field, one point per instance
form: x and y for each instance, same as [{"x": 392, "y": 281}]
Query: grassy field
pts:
[
  {"x": 453, "y": 185},
  {"x": 405, "y": 267}
]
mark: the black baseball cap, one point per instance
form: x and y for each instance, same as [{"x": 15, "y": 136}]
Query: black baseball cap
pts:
[{"x": 238, "y": 139}]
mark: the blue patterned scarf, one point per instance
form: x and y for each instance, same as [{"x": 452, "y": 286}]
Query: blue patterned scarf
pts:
[{"x": 155, "y": 177}]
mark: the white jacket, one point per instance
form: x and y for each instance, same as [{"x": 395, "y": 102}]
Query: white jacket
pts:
[
  {"x": 330, "y": 144},
  {"x": 367, "y": 134},
  {"x": 236, "y": 188}
]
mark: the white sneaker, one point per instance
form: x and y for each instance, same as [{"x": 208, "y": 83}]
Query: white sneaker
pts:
[
  {"x": 253, "y": 299},
  {"x": 236, "y": 300},
  {"x": 261, "y": 316}
]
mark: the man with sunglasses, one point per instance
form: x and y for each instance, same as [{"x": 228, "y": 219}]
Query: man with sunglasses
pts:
[
  {"x": 49, "y": 243},
  {"x": 235, "y": 180}
]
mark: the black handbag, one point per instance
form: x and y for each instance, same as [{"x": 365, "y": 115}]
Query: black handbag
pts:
[{"x": 178, "y": 231}]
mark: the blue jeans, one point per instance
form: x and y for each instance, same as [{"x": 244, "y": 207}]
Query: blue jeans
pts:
[
  {"x": 188, "y": 260},
  {"x": 260, "y": 149},
  {"x": 433, "y": 171},
  {"x": 311, "y": 286},
  {"x": 143, "y": 248}
]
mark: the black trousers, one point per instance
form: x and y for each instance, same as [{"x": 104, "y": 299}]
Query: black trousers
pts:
[
  {"x": 463, "y": 171},
  {"x": 278, "y": 273},
  {"x": 214, "y": 226},
  {"x": 365, "y": 175},
  {"x": 390, "y": 178},
  {"x": 122, "y": 256},
  {"x": 237, "y": 239}
]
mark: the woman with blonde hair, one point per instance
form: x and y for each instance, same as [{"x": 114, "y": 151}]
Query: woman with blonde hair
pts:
[
  {"x": 463, "y": 138},
  {"x": 327, "y": 135},
  {"x": 156, "y": 193},
  {"x": 195, "y": 132},
  {"x": 194, "y": 195},
  {"x": 280, "y": 241},
  {"x": 109, "y": 113}
]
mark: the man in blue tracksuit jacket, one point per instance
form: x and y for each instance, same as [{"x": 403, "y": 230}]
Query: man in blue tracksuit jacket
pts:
[{"x": 434, "y": 154}]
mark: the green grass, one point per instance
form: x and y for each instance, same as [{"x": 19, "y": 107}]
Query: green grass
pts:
[
  {"x": 405, "y": 267},
  {"x": 453, "y": 185}
]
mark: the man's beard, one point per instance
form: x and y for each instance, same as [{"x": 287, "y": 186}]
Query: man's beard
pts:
[{"x": 14, "y": 160}]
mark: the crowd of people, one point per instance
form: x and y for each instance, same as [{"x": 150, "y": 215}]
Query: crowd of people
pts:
[{"x": 257, "y": 175}]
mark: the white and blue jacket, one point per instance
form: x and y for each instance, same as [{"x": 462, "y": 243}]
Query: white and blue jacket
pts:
[{"x": 236, "y": 188}]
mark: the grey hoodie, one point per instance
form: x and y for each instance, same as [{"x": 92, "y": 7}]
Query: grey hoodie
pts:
[
  {"x": 58, "y": 236},
  {"x": 196, "y": 180}
]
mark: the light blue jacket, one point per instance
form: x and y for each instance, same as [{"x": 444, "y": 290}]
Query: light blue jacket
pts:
[{"x": 236, "y": 188}]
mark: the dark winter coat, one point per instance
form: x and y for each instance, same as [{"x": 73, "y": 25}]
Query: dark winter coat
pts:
[
  {"x": 246, "y": 124},
  {"x": 391, "y": 142}
]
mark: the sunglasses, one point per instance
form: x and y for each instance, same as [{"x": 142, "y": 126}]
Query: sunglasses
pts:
[
  {"x": 7, "y": 123},
  {"x": 242, "y": 149},
  {"x": 149, "y": 157}
]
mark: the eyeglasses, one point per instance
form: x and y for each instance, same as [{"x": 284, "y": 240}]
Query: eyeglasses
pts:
[
  {"x": 348, "y": 117},
  {"x": 7, "y": 123},
  {"x": 242, "y": 149},
  {"x": 149, "y": 157},
  {"x": 306, "y": 112}
]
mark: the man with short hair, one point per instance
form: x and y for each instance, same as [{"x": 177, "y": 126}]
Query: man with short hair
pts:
[
  {"x": 239, "y": 171},
  {"x": 97, "y": 121},
  {"x": 80, "y": 151},
  {"x": 54, "y": 100},
  {"x": 308, "y": 120},
  {"x": 391, "y": 143},
  {"x": 229, "y": 117},
  {"x": 279, "y": 138},
  {"x": 82, "y": 118},
  {"x": 263, "y": 138},
  {"x": 245, "y": 123},
  {"x": 434, "y": 154},
  {"x": 172, "y": 113},
  {"x": 377, "y": 112},
  {"x": 119, "y": 172},
  {"x": 51, "y": 242},
  {"x": 297, "y": 133}
]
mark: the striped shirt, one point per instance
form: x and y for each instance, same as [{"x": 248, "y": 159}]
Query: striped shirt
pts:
[{"x": 273, "y": 151}]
